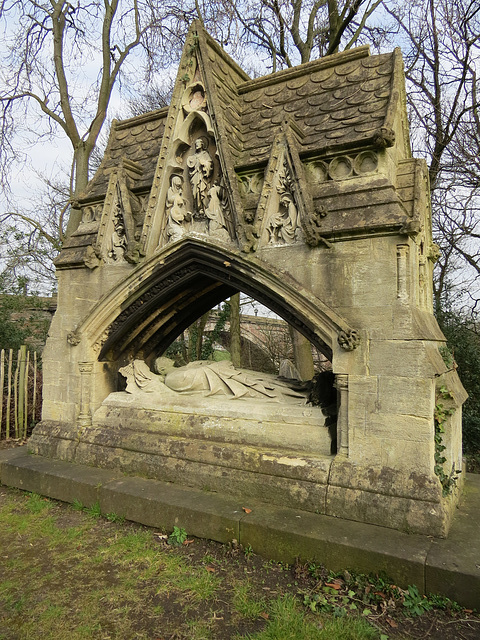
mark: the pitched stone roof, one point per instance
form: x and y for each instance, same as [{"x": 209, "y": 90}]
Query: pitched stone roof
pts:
[
  {"x": 344, "y": 100},
  {"x": 137, "y": 139},
  {"x": 340, "y": 100},
  {"x": 334, "y": 110}
]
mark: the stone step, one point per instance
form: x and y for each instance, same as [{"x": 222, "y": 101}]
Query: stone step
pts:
[{"x": 449, "y": 567}]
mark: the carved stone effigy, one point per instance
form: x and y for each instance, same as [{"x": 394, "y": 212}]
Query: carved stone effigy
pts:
[
  {"x": 298, "y": 188},
  {"x": 209, "y": 379}
]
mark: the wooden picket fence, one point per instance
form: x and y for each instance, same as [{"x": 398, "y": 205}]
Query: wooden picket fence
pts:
[{"x": 20, "y": 387}]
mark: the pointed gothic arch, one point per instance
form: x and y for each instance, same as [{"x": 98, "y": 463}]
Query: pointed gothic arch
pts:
[{"x": 148, "y": 310}]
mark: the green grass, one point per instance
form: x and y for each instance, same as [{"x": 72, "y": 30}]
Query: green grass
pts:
[
  {"x": 66, "y": 573},
  {"x": 290, "y": 622},
  {"x": 245, "y": 601}
]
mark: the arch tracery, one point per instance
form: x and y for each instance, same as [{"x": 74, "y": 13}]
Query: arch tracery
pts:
[{"x": 151, "y": 308}]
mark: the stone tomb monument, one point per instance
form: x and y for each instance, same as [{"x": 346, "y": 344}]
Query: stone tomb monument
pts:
[{"x": 297, "y": 188}]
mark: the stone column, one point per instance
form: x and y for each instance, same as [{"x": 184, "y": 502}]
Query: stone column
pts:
[
  {"x": 422, "y": 282},
  {"x": 85, "y": 417},
  {"x": 402, "y": 272},
  {"x": 302, "y": 354},
  {"x": 341, "y": 383}
]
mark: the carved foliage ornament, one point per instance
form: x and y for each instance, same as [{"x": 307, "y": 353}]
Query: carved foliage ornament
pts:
[
  {"x": 349, "y": 339},
  {"x": 282, "y": 225},
  {"x": 74, "y": 337}
]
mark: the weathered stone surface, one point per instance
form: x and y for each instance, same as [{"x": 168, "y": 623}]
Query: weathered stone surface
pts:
[
  {"x": 336, "y": 543},
  {"x": 448, "y": 567},
  {"x": 453, "y": 565},
  {"x": 288, "y": 477},
  {"x": 55, "y": 479},
  {"x": 298, "y": 189},
  {"x": 297, "y": 428},
  {"x": 158, "y": 504}
]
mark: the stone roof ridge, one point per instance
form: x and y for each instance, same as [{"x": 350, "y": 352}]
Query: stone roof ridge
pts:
[
  {"x": 142, "y": 118},
  {"x": 385, "y": 135},
  {"x": 220, "y": 88},
  {"x": 221, "y": 53},
  {"x": 326, "y": 62}
]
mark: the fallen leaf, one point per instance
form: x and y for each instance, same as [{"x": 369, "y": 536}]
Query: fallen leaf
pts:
[
  {"x": 161, "y": 536},
  {"x": 247, "y": 510},
  {"x": 187, "y": 542},
  {"x": 210, "y": 569},
  {"x": 333, "y": 585},
  {"x": 265, "y": 615},
  {"x": 392, "y": 623}
]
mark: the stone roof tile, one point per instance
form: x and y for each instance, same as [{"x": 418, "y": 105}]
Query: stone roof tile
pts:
[
  {"x": 339, "y": 103},
  {"x": 137, "y": 139},
  {"x": 339, "y": 100}
]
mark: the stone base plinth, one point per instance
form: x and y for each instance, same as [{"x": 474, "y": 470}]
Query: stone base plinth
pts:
[{"x": 287, "y": 461}]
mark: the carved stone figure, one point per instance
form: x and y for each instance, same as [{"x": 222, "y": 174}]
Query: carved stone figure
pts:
[
  {"x": 118, "y": 239},
  {"x": 250, "y": 232},
  {"x": 283, "y": 225},
  {"x": 176, "y": 207},
  {"x": 208, "y": 379},
  {"x": 215, "y": 213},
  {"x": 200, "y": 170}
]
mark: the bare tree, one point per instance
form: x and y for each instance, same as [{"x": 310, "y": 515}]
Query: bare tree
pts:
[
  {"x": 48, "y": 64},
  {"x": 441, "y": 45},
  {"x": 29, "y": 243},
  {"x": 293, "y": 31}
]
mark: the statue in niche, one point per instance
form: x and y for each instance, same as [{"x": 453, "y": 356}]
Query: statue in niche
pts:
[
  {"x": 250, "y": 232},
  {"x": 118, "y": 239},
  {"x": 200, "y": 170},
  {"x": 217, "y": 226},
  {"x": 207, "y": 378},
  {"x": 283, "y": 225},
  {"x": 176, "y": 207},
  {"x": 92, "y": 213}
]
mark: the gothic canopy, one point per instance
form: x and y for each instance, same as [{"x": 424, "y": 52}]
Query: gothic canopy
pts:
[{"x": 251, "y": 163}]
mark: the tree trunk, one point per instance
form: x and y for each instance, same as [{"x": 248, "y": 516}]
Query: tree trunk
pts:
[
  {"x": 333, "y": 22},
  {"x": 82, "y": 159},
  {"x": 235, "y": 344},
  {"x": 302, "y": 354},
  {"x": 201, "y": 324}
]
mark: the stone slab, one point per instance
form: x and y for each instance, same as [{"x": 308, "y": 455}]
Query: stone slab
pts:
[
  {"x": 10, "y": 454},
  {"x": 287, "y": 534},
  {"x": 453, "y": 564},
  {"x": 158, "y": 504},
  {"x": 56, "y": 479},
  {"x": 450, "y": 567},
  {"x": 263, "y": 424}
]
